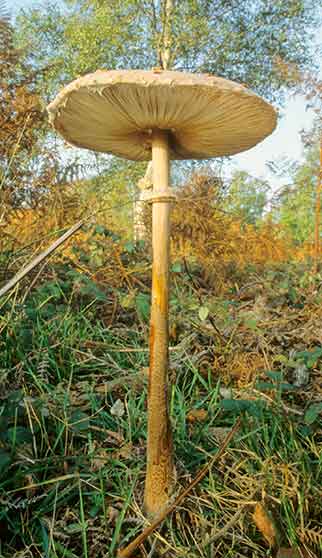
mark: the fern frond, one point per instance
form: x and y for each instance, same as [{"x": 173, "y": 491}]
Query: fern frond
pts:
[
  {"x": 312, "y": 536},
  {"x": 4, "y": 13},
  {"x": 6, "y": 33}
]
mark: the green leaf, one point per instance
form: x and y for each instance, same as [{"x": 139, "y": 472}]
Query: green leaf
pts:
[
  {"x": 15, "y": 396},
  {"x": 312, "y": 413},
  {"x": 142, "y": 303},
  {"x": 79, "y": 421},
  {"x": 89, "y": 288},
  {"x": 303, "y": 354},
  {"x": 48, "y": 311},
  {"x": 305, "y": 430},
  {"x": 314, "y": 356},
  {"x": 292, "y": 293},
  {"x": 4, "y": 421},
  {"x": 64, "y": 551},
  {"x": 4, "y": 459},
  {"x": 278, "y": 376},
  {"x": 73, "y": 528},
  {"x": 99, "y": 229},
  {"x": 129, "y": 247},
  {"x": 203, "y": 313},
  {"x": 285, "y": 386},
  {"x": 128, "y": 300},
  {"x": 94, "y": 510},
  {"x": 310, "y": 357},
  {"x": 253, "y": 407},
  {"x": 176, "y": 267},
  {"x": 281, "y": 358},
  {"x": 19, "y": 434},
  {"x": 265, "y": 386},
  {"x": 251, "y": 324}
]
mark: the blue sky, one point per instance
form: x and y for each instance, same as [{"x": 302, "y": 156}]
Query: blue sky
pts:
[{"x": 285, "y": 140}]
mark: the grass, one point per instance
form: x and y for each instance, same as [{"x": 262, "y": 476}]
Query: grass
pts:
[{"x": 73, "y": 420}]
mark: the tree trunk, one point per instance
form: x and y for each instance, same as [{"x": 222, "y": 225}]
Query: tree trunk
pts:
[
  {"x": 165, "y": 54},
  {"x": 159, "y": 443},
  {"x": 144, "y": 185}
]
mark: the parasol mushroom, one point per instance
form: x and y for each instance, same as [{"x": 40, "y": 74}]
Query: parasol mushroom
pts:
[{"x": 161, "y": 115}]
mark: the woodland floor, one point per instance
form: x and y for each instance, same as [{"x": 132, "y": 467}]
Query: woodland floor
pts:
[{"x": 73, "y": 359}]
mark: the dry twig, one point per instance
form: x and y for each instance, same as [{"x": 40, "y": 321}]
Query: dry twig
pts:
[
  {"x": 19, "y": 276},
  {"x": 128, "y": 550}
]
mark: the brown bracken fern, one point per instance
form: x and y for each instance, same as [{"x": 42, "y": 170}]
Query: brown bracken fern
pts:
[
  {"x": 312, "y": 536},
  {"x": 6, "y": 38}
]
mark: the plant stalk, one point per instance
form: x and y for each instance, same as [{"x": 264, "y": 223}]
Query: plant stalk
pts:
[{"x": 159, "y": 472}]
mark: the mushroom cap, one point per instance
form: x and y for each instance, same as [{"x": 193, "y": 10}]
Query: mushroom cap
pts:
[{"x": 115, "y": 112}]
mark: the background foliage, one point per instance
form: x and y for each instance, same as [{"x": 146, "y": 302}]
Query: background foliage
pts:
[{"x": 245, "y": 308}]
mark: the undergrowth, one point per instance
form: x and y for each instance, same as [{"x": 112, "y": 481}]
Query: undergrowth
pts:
[{"x": 73, "y": 350}]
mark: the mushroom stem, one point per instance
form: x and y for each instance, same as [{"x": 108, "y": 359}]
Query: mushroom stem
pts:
[{"x": 159, "y": 444}]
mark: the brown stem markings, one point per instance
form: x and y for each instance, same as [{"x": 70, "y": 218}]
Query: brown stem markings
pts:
[{"x": 159, "y": 443}]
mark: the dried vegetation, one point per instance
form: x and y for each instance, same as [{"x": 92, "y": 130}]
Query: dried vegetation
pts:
[{"x": 245, "y": 341}]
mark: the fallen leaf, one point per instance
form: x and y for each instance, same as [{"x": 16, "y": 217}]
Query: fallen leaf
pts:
[
  {"x": 100, "y": 460},
  {"x": 113, "y": 514},
  {"x": 289, "y": 553},
  {"x": 226, "y": 393},
  {"x": 265, "y": 524},
  {"x": 203, "y": 313},
  {"x": 197, "y": 415},
  {"x": 220, "y": 433},
  {"x": 125, "y": 452},
  {"x": 113, "y": 437},
  {"x": 118, "y": 409}
]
